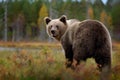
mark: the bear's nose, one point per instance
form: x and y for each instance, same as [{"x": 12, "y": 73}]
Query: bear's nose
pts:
[{"x": 53, "y": 31}]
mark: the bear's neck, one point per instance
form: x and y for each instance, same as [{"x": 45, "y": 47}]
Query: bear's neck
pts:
[
  {"x": 62, "y": 33},
  {"x": 58, "y": 38}
]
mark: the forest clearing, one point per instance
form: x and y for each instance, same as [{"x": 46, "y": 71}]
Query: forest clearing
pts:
[
  {"x": 28, "y": 53},
  {"x": 48, "y": 63}
]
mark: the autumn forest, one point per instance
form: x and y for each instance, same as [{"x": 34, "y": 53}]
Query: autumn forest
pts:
[{"x": 25, "y": 17}]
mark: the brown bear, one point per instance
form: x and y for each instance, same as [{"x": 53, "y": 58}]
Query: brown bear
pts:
[{"x": 82, "y": 40}]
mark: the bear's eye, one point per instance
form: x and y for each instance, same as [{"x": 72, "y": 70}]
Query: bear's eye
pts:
[
  {"x": 57, "y": 26},
  {"x": 50, "y": 26}
]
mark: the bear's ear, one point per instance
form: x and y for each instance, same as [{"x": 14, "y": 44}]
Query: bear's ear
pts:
[
  {"x": 63, "y": 19},
  {"x": 47, "y": 20}
]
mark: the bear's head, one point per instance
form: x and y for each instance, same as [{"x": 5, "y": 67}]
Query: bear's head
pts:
[{"x": 56, "y": 27}]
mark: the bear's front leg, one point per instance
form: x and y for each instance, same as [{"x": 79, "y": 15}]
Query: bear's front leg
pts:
[{"x": 68, "y": 54}]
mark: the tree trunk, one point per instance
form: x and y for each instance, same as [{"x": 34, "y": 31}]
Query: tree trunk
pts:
[{"x": 5, "y": 22}]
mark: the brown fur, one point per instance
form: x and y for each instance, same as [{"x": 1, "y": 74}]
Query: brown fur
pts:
[{"x": 82, "y": 40}]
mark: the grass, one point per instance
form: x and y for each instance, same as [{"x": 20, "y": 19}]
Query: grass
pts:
[
  {"x": 48, "y": 63},
  {"x": 29, "y": 44}
]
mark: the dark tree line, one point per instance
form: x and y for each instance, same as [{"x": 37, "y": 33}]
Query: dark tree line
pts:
[{"x": 25, "y": 17}]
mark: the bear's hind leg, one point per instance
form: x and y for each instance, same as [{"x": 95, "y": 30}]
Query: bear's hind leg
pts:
[
  {"x": 103, "y": 59},
  {"x": 79, "y": 54}
]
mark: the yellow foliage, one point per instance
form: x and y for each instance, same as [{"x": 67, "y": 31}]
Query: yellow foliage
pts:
[
  {"x": 103, "y": 17},
  {"x": 106, "y": 19},
  {"x": 109, "y": 20},
  {"x": 90, "y": 12},
  {"x": 42, "y": 13}
]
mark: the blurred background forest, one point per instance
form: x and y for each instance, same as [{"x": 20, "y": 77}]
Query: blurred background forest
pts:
[
  {"x": 29, "y": 54},
  {"x": 22, "y": 20}
]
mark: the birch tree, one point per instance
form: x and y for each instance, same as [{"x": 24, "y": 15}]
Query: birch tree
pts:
[{"x": 43, "y": 12}]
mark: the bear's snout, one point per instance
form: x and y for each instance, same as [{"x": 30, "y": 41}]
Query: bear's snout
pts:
[{"x": 53, "y": 31}]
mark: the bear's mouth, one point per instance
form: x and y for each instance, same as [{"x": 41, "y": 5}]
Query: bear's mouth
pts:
[{"x": 54, "y": 35}]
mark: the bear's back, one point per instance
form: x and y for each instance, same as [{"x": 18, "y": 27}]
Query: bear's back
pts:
[
  {"x": 92, "y": 28},
  {"x": 92, "y": 35}
]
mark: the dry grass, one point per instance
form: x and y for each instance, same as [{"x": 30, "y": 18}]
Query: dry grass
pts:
[
  {"x": 30, "y": 44},
  {"x": 42, "y": 66},
  {"x": 48, "y": 64}
]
